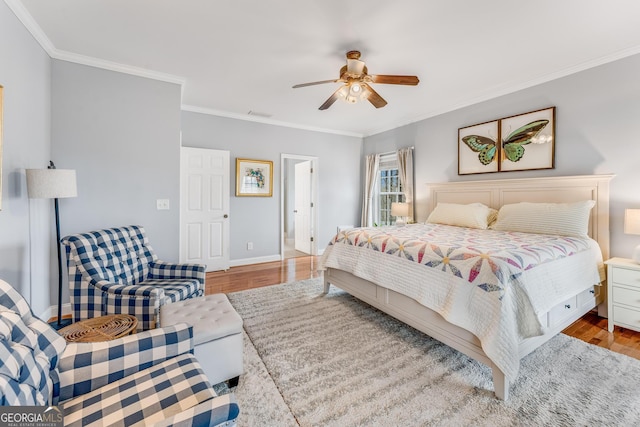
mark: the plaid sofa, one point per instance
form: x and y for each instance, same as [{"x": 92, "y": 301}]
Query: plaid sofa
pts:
[
  {"x": 149, "y": 378},
  {"x": 115, "y": 271}
]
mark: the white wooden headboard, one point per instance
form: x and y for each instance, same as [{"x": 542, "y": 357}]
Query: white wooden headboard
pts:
[{"x": 564, "y": 189}]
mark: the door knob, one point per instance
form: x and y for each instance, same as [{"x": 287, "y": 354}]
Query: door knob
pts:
[
  {"x": 226, "y": 216},
  {"x": 295, "y": 211}
]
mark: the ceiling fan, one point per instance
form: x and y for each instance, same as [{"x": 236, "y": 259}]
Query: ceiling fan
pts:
[{"x": 357, "y": 81}]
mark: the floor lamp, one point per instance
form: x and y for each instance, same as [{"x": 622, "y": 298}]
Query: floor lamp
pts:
[{"x": 52, "y": 183}]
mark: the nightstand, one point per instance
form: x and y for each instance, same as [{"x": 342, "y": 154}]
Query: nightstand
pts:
[{"x": 623, "y": 297}]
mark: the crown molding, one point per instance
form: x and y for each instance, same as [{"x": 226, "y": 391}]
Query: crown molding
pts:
[
  {"x": 512, "y": 87},
  {"x": 32, "y": 26},
  {"x": 258, "y": 119},
  {"x": 115, "y": 66}
]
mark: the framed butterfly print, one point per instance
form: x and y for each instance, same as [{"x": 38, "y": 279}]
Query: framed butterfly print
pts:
[
  {"x": 528, "y": 141},
  {"x": 516, "y": 143},
  {"x": 478, "y": 148}
]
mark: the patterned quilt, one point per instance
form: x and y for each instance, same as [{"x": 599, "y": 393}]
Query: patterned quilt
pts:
[
  {"x": 484, "y": 258},
  {"x": 492, "y": 283}
]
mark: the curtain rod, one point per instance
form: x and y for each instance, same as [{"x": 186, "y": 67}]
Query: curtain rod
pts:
[{"x": 393, "y": 152}]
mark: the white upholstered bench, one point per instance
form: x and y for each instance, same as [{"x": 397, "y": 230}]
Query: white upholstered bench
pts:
[{"x": 217, "y": 334}]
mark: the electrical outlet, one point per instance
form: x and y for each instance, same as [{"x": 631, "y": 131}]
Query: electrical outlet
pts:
[
  {"x": 249, "y": 246},
  {"x": 162, "y": 204}
]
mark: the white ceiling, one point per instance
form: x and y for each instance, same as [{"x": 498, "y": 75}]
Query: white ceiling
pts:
[{"x": 236, "y": 56}]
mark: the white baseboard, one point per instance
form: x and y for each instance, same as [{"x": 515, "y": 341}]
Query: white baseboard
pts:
[
  {"x": 66, "y": 308},
  {"x": 257, "y": 260},
  {"x": 52, "y": 312}
]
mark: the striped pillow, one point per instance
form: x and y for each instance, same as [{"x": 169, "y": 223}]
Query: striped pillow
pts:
[
  {"x": 474, "y": 215},
  {"x": 563, "y": 219}
]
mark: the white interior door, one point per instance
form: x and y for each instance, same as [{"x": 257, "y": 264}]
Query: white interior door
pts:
[
  {"x": 302, "y": 210},
  {"x": 204, "y": 207}
]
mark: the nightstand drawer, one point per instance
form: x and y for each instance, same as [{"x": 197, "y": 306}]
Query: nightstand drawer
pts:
[
  {"x": 627, "y": 277},
  {"x": 626, "y": 296},
  {"x": 626, "y": 317}
]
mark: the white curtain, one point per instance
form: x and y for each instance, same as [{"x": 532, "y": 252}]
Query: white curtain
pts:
[
  {"x": 405, "y": 170},
  {"x": 371, "y": 174}
]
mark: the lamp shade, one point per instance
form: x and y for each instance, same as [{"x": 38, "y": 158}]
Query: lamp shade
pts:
[
  {"x": 632, "y": 221},
  {"x": 51, "y": 183},
  {"x": 400, "y": 209}
]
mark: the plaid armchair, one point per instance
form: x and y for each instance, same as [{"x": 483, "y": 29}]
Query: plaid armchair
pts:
[
  {"x": 116, "y": 271},
  {"x": 150, "y": 378}
]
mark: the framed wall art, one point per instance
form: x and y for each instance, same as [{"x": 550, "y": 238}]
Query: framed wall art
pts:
[
  {"x": 528, "y": 141},
  {"x": 478, "y": 150},
  {"x": 254, "y": 178},
  {"x": 516, "y": 143}
]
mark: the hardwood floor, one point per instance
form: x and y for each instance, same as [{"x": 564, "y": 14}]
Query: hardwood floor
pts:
[
  {"x": 589, "y": 328},
  {"x": 256, "y": 275}
]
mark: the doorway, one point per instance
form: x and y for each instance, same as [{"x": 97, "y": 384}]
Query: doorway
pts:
[
  {"x": 299, "y": 205},
  {"x": 204, "y": 207}
]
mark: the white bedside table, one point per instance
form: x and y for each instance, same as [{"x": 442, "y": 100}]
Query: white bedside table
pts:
[{"x": 623, "y": 297}]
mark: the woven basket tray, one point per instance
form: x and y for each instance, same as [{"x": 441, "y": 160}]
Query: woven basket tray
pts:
[{"x": 103, "y": 328}]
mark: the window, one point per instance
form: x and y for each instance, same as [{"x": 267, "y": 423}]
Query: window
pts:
[{"x": 388, "y": 190}]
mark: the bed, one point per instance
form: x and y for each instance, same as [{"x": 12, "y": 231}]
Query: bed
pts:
[{"x": 505, "y": 315}]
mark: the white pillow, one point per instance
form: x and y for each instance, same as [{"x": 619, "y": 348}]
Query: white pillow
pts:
[
  {"x": 563, "y": 219},
  {"x": 474, "y": 215}
]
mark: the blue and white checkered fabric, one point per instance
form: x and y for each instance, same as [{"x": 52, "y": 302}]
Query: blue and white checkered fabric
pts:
[
  {"x": 84, "y": 367},
  {"x": 29, "y": 352},
  {"x": 221, "y": 411},
  {"x": 142, "y": 379},
  {"x": 115, "y": 271},
  {"x": 143, "y": 398}
]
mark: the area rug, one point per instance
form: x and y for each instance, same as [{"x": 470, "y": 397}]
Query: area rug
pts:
[{"x": 331, "y": 360}]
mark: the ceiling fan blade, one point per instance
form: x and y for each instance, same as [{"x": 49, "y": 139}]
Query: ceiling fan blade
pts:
[
  {"x": 316, "y": 83},
  {"x": 329, "y": 102},
  {"x": 395, "y": 80},
  {"x": 374, "y": 97}
]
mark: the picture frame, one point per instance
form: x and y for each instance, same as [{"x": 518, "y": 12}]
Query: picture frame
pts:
[
  {"x": 254, "y": 178},
  {"x": 515, "y": 143},
  {"x": 528, "y": 141},
  {"x": 478, "y": 150}
]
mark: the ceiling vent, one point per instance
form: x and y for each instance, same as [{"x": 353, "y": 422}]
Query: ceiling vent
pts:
[{"x": 259, "y": 114}]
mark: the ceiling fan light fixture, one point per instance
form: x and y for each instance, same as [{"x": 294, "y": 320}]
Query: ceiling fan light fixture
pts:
[
  {"x": 356, "y": 79},
  {"x": 355, "y": 67},
  {"x": 364, "y": 93}
]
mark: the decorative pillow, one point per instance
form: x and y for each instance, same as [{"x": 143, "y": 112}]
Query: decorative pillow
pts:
[
  {"x": 563, "y": 219},
  {"x": 474, "y": 215},
  {"x": 493, "y": 216}
]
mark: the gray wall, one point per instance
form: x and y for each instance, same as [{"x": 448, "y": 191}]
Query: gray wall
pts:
[
  {"x": 597, "y": 118},
  {"x": 25, "y": 225},
  {"x": 122, "y": 135},
  {"x": 257, "y": 219}
]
